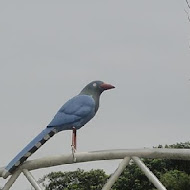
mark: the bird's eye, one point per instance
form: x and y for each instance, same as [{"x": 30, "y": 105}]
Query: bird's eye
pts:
[{"x": 94, "y": 85}]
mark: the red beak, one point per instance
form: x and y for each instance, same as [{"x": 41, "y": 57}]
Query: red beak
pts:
[{"x": 107, "y": 86}]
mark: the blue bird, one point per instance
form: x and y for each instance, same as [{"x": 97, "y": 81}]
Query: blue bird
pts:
[{"x": 74, "y": 114}]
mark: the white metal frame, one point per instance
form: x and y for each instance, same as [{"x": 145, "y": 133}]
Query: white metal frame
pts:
[{"x": 125, "y": 154}]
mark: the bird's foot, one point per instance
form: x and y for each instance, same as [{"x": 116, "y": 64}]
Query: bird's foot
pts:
[
  {"x": 73, "y": 149},
  {"x": 73, "y": 153}
]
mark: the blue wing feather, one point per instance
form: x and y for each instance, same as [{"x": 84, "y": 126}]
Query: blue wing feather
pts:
[{"x": 75, "y": 112}]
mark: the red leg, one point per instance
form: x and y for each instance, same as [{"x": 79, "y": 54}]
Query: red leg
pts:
[{"x": 74, "y": 138}]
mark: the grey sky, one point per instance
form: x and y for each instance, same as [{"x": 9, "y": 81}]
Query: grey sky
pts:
[{"x": 51, "y": 49}]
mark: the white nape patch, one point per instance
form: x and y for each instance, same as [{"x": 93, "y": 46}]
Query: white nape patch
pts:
[
  {"x": 27, "y": 154},
  {"x": 38, "y": 145},
  {"x": 46, "y": 137},
  {"x": 17, "y": 163},
  {"x": 94, "y": 84}
]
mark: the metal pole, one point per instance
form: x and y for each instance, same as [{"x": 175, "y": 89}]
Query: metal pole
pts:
[
  {"x": 11, "y": 180},
  {"x": 177, "y": 154},
  {"x": 31, "y": 179},
  {"x": 149, "y": 174},
  {"x": 116, "y": 174}
]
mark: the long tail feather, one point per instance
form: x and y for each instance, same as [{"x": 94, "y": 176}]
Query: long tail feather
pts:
[{"x": 34, "y": 145}]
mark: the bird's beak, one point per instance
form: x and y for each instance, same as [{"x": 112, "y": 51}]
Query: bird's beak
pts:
[{"x": 107, "y": 86}]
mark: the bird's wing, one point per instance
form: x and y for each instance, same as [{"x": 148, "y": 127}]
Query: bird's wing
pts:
[{"x": 77, "y": 108}]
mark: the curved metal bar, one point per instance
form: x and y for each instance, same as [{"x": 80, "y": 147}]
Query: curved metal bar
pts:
[{"x": 178, "y": 154}]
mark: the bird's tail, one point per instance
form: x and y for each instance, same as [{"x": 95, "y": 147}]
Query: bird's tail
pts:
[{"x": 34, "y": 145}]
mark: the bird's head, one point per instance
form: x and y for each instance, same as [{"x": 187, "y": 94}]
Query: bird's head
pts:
[{"x": 96, "y": 87}]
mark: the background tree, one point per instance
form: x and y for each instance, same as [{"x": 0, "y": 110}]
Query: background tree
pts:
[
  {"x": 166, "y": 170},
  {"x": 176, "y": 180},
  {"x": 79, "y": 179}
]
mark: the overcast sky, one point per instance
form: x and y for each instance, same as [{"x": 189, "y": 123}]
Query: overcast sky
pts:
[{"x": 49, "y": 50}]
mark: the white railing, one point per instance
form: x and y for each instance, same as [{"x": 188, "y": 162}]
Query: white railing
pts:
[{"x": 125, "y": 154}]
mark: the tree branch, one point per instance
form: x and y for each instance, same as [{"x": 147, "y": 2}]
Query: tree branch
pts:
[
  {"x": 188, "y": 4},
  {"x": 187, "y": 15}
]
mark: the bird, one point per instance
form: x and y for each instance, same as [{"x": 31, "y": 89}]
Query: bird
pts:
[{"x": 73, "y": 115}]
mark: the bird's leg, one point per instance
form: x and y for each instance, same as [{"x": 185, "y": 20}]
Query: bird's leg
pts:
[
  {"x": 74, "y": 139},
  {"x": 74, "y": 143}
]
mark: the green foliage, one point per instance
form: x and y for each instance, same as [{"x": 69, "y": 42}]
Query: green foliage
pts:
[
  {"x": 132, "y": 178},
  {"x": 80, "y": 180},
  {"x": 176, "y": 180}
]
